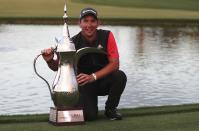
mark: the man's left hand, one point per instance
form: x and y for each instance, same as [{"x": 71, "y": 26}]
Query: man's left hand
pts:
[{"x": 83, "y": 79}]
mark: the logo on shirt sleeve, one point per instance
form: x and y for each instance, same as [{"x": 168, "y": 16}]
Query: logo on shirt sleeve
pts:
[{"x": 112, "y": 52}]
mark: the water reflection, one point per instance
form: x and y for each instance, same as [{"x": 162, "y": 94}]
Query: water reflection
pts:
[
  {"x": 161, "y": 65},
  {"x": 165, "y": 61}
]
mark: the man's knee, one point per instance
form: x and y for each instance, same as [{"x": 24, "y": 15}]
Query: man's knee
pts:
[
  {"x": 120, "y": 76},
  {"x": 119, "y": 79}
]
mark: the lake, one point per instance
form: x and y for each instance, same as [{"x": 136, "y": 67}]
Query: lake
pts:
[{"x": 161, "y": 64}]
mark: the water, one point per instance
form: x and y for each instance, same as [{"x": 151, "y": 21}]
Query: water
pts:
[{"x": 161, "y": 64}]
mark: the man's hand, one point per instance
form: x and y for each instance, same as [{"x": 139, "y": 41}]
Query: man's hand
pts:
[
  {"x": 83, "y": 79},
  {"x": 48, "y": 54}
]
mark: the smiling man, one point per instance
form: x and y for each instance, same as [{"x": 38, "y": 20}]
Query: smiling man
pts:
[{"x": 98, "y": 75}]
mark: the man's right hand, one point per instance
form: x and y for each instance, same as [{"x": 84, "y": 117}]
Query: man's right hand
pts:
[{"x": 48, "y": 54}]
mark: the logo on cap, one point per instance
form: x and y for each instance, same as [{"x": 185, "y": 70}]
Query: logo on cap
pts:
[{"x": 87, "y": 11}]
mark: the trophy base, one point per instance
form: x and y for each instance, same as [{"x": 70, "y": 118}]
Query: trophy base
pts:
[{"x": 66, "y": 116}]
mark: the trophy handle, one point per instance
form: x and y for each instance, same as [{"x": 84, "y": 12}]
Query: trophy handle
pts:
[
  {"x": 86, "y": 50},
  {"x": 34, "y": 65}
]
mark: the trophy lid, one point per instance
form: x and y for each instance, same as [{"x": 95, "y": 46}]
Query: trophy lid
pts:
[{"x": 65, "y": 44}]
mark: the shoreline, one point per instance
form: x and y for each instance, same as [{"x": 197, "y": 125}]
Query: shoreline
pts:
[
  {"x": 104, "y": 21},
  {"x": 137, "y": 111}
]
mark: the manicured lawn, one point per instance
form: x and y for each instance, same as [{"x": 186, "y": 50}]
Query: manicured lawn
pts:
[
  {"x": 165, "y": 118},
  {"x": 129, "y": 9},
  {"x": 155, "y": 4}
]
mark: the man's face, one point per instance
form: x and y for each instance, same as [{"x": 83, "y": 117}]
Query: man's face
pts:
[{"x": 89, "y": 25}]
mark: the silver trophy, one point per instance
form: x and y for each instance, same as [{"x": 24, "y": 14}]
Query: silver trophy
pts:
[{"x": 64, "y": 91}]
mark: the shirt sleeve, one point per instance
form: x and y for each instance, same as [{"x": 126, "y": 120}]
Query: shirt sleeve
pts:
[{"x": 112, "y": 47}]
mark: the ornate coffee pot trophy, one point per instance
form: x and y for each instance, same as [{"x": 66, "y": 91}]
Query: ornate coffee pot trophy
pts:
[{"x": 64, "y": 91}]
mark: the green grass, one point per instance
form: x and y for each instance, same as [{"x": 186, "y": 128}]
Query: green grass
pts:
[
  {"x": 155, "y": 4},
  {"x": 164, "y": 118},
  {"x": 117, "y": 9}
]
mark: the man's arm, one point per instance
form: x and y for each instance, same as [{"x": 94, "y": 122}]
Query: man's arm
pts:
[
  {"x": 113, "y": 57},
  {"x": 48, "y": 56},
  {"x": 112, "y": 66},
  {"x": 53, "y": 64}
]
